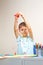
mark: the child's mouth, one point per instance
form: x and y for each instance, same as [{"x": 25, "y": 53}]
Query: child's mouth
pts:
[{"x": 24, "y": 35}]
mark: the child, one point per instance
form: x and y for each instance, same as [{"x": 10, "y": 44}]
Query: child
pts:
[{"x": 24, "y": 36}]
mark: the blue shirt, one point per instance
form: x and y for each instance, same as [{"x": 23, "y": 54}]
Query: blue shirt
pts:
[{"x": 25, "y": 45}]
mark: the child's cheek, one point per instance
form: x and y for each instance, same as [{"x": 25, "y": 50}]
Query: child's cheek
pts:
[
  {"x": 21, "y": 32},
  {"x": 27, "y": 32}
]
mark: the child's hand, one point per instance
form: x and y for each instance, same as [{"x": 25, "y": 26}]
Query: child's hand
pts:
[{"x": 17, "y": 15}]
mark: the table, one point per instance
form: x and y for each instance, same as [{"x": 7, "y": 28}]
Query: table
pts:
[{"x": 21, "y": 61}]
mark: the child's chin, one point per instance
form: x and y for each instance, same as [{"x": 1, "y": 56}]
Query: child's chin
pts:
[{"x": 24, "y": 35}]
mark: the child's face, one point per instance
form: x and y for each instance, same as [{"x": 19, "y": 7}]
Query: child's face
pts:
[{"x": 24, "y": 31}]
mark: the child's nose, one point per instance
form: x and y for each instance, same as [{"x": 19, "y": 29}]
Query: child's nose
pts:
[{"x": 24, "y": 30}]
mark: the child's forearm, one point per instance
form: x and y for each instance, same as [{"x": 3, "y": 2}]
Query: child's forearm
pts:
[
  {"x": 23, "y": 17},
  {"x": 16, "y": 22},
  {"x": 15, "y": 28},
  {"x": 30, "y": 33}
]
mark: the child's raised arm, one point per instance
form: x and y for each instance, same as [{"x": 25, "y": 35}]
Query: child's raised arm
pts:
[
  {"x": 15, "y": 26},
  {"x": 28, "y": 26}
]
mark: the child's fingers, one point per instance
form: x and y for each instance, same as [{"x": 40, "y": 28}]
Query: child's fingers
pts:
[{"x": 18, "y": 14}]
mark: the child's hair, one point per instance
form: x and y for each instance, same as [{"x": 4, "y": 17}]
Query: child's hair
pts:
[{"x": 22, "y": 24}]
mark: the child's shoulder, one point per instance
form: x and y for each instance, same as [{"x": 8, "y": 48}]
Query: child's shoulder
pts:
[{"x": 29, "y": 38}]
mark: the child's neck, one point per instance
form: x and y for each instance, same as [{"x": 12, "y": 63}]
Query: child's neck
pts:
[{"x": 24, "y": 36}]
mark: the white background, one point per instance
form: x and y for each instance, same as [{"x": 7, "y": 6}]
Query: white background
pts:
[{"x": 32, "y": 9}]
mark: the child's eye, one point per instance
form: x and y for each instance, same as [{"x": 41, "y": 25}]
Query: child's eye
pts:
[{"x": 22, "y": 29}]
